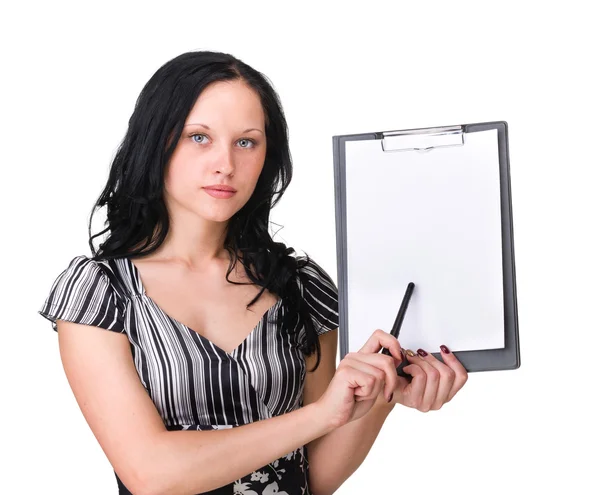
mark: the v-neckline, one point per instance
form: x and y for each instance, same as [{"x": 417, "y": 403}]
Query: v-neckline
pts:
[{"x": 231, "y": 354}]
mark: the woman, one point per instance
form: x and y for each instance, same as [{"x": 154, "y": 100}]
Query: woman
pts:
[{"x": 200, "y": 384}]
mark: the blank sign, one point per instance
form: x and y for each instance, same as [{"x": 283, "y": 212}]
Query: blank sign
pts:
[{"x": 440, "y": 218}]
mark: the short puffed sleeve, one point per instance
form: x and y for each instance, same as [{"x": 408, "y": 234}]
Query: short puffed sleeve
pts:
[
  {"x": 82, "y": 293},
  {"x": 321, "y": 295}
]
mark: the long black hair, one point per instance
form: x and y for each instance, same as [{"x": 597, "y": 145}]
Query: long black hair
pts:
[{"x": 137, "y": 218}]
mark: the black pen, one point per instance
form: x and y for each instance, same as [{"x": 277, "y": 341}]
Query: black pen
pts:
[{"x": 396, "y": 329}]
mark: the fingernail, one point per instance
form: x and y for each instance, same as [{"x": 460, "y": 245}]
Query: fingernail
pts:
[
  {"x": 444, "y": 349},
  {"x": 410, "y": 353},
  {"x": 390, "y": 397},
  {"x": 421, "y": 352}
]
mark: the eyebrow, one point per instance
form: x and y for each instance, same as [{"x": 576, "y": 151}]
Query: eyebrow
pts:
[{"x": 208, "y": 128}]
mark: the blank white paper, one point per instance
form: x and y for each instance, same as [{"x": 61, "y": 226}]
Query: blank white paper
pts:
[{"x": 432, "y": 218}]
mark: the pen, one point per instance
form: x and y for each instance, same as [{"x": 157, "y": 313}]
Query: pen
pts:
[{"x": 396, "y": 329}]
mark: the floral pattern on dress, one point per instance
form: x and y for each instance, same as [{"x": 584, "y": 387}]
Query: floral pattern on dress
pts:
[{"x": 284, "y": 476}]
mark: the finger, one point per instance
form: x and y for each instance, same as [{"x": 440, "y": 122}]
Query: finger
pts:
[
  {"x": 366, "y": 385},
  {"x": 375, "y": 377},
  {"x": 380, "y": 339},
  {"x": 379, "y": 365},
  {"x": 431, "y": 386},
  {"x": 446, "y": 379},
  {"x": 412, "y": 394},
  {"x": 460, "y": 373}
]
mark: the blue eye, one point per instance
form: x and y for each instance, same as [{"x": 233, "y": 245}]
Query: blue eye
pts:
[
  {"x": 248, "y": 141},
  {"x": 195, "y": 135}
]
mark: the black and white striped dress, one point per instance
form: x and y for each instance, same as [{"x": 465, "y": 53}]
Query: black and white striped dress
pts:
[{"x": 193, "y": 383}]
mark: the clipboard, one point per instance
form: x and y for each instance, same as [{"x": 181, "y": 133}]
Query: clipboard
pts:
[{"x": 430, "y": 206}]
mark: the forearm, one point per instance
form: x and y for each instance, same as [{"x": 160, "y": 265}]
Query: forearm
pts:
[
  {"x": 190, "y": 462},
  {"x": 335, "y": 456}
]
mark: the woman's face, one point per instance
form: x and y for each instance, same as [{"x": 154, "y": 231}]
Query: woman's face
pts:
[{"x": 223, "y": 143}]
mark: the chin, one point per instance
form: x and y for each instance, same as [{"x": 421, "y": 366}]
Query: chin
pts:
[{"x": 217, "y": 216}]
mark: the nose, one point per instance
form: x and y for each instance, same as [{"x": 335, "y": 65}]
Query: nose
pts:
[{"x": 225, "y": 161}]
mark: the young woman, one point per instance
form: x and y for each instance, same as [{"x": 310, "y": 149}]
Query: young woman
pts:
[{"x": 200, "y": 383}]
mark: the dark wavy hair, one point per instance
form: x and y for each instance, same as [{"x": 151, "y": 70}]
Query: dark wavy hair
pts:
[{"x": 137, "y": 218}]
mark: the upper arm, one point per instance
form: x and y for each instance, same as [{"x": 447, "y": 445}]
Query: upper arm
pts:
[
  {"x": 316, "y": 382},
  {"x": 100, "y": 371},
  {"x": 98, "y": 363}
]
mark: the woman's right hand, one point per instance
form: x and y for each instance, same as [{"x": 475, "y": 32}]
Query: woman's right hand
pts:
[{"x": 360, "y": 378}]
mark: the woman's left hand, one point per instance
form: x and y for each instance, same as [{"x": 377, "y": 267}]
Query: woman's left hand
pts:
[{"x": 433, "y": 384}]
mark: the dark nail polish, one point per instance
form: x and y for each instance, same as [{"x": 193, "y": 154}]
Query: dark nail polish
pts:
[
  {"x": 421, "y": 352},
  {"x": 444, "y": 349}
]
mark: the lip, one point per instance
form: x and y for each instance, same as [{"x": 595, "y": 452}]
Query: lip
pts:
[
  {"x": 219, "y": 193},
  {"x": 220, "y": 187}
]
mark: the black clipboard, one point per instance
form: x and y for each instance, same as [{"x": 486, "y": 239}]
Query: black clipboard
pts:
[{"x": 395, "y": 191}]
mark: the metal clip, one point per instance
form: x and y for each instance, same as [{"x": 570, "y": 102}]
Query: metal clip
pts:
[{"x": 423, "y": 140}]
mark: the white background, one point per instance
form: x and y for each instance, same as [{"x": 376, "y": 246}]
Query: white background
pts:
[{"x": 71, "y": 74}]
